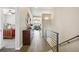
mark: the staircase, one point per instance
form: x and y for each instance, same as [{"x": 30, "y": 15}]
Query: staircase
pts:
[
  {"x": 70, "y": 45},
  {"x": 52, "y": 39}
]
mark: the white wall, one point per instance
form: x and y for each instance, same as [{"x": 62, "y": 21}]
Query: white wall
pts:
[
  {"x": 23, "y": 17},
  {"x": 66, "y": 23},
  {"x": 9, "y": 43},
  {"x": 21, "y": 14},
  {"x": 17, "y": 35},
  {"x": 23, "y": 22},
  {"x": 10, "y": 19},
  {"x": 7, "y": 17}
]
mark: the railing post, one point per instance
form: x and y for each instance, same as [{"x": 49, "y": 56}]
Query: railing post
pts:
[{"x": 57, "y": 42}]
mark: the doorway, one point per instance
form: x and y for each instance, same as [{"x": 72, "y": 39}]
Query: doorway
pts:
[{"x": 8, "y": 17}]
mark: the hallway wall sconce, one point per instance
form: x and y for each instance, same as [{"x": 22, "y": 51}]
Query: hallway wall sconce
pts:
[{"x": 46, "y": 16}]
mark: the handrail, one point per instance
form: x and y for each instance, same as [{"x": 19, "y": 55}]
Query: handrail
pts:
[{"x": 68, "y": 40}]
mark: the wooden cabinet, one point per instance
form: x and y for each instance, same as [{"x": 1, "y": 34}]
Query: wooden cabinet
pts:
[
  {"x": 8, "y": 33},
  {"x": 26, "y": 37}
]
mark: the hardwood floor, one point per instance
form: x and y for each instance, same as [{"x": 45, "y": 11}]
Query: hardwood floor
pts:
[
  {"x": 8, "y": 50},
  {"x": 23, "y": 49}
]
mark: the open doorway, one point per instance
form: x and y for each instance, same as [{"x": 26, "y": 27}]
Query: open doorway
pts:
[{"x": 8, "y": 17}]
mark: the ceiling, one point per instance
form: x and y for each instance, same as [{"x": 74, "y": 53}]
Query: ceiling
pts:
[{"x": 37, "y": 11}]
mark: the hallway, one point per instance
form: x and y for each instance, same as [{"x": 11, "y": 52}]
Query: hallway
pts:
[
  {"x": 38, "y": 44},
  {"x": 56, "y": 26}
]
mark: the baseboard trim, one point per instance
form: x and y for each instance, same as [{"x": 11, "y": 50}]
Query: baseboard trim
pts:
[
  {"x": 1, "y": 47},
  {"x": 18, "y": 48}
]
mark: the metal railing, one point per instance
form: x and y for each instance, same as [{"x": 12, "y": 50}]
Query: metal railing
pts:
[
  {"x": 69, "y": 40},
  {"x": 52, "y": 39}
]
